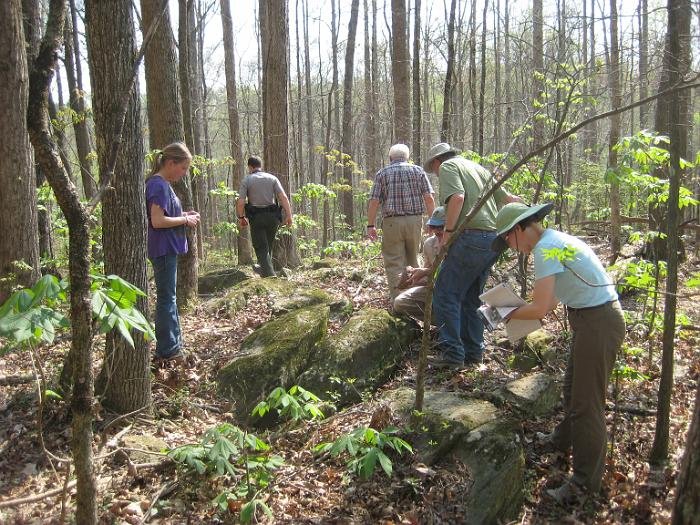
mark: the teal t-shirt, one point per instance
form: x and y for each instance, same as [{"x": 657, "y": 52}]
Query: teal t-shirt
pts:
[{"x": 568, "y": 288}]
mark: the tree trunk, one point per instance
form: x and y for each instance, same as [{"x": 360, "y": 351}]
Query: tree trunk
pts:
[
  {"x": 165, "y": 125},
  {"x": 482, "y": 90},
  {"x": 674, "y": 122},
  {"x": 537, "y": 71},
  {"x": 78, "y": 261},
  {"x": 77, "y": 103},
  {"x": 417, "y": 110},
  {"x": 686, "y": 508},
  {"x": 124, "y": 379},
  {"x": 347, "y": 143},
  {"x": 274, "y": 24},
  {"x": 20, "y": 235},
  {"x": 497, "y": 124},
  {"x": 310, "y": 136},
  {"x": 245, "y": 255},
  {"x": 327, "y": 143},
  {"x": 449, "y": 75},
  {"x": 616, "y": 96},
  {"x": 399, "y": 73},
  {"x": 643, "y": 17}
]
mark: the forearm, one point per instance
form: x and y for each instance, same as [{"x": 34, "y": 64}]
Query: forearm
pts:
[
  {"x": 454, "y": 208},
  {"x": 372, "y": 211},
  {"x": 240, "y": 208},
  {"x": 429, "y": 201},
  {"x": 164, "y": 222}
]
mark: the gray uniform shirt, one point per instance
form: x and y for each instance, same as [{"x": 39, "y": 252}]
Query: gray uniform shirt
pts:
[{"x": 260, "y": 188}]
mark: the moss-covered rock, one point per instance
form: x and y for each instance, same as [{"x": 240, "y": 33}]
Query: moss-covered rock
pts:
[
  {"x": 537, "y": 350},
  {"x": 273, "y": 355},
  {"x": 363, "y": 354},
  {"x": 218, "y": 280},
  {"x": 141, "y": 445},
  {"x": 282, "y": 296},
  {"x": 475, "y": 432},
  {"x": 533, "y": 395},
  {"x": 328, "y": 262}
]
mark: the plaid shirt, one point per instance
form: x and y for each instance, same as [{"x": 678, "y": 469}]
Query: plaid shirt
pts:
[{"x": 400, "y": 187}]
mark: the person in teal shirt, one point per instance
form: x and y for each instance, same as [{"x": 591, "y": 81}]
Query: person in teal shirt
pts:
[{"x": 567, "y": 271}]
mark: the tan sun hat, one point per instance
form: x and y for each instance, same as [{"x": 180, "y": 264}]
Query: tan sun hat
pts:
[
  {"x": 436, "y": 151},
  {"x": 512, "y": 214}
]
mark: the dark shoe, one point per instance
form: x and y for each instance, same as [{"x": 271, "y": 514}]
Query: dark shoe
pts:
[
  {"x": 549, "y": 443},
  {"x": 178, "y": 358},
  {"x": 468, "y": 363},
  {"x": 569, "y": 494},
  {"x": 440, "y": 363}
]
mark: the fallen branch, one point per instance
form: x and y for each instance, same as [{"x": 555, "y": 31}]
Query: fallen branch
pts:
[
  {"x": 635, "y": 220},
  {"x": 36, "y": 497},
  {"x": 15, "y": 380}
]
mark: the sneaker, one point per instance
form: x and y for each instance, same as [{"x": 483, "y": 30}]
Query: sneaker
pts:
[{"x": 569, "y": 494}]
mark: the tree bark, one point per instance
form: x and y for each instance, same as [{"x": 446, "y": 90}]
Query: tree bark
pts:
[
  {"x": 674, "y": 121},
  {"x": 347, "y": 142},
  {"x": 124, "y": 379},
  {"x": 20, "y": 236},
  {"x": 417, "y": 110},
  {"x": 77, "y": 103},
  {"x": 482, "y": 90},
  {"x": 537, "y": 72},
  {"x": 399, "y": 73},
  {"x": 245, "y": 255},
  {"x": 166, "y": 125},
  {"x": 643, "y": 18},
  {"x": 274, "y": 24},
  {"x": 615, "y": 122},
  {"x": 686, "y": 507},
  {"x": 449, "y": 80},
  {"x": 78, "y": 262}
]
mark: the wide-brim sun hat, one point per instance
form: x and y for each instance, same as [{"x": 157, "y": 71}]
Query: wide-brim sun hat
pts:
[
  {"x": 512, "y": 214},
  {"x": 436, "y": 151},
  {"x": 438, "y": 217}
]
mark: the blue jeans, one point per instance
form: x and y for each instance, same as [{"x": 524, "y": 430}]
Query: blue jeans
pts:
[
  {"x": 168, "y": 338},
  {"x": 459, "y": 283}
]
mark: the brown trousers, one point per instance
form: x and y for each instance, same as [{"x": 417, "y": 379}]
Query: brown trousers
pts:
[
  {"x": 597, "y": 337},
  {"x": 400, "y": 242}
]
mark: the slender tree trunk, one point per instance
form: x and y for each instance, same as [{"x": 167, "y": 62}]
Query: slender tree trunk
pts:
[
  {"x": 643, "y": 17},
  {"x": 310, "y": 136},
  {"x": 347, "y": 142},
  {"x": 497, "y": 124},
  {"x": 375, "y": 128},
  {"x": 482, "y": 90},
  {"x": 166, "y": 126},
  {"x": 616, "y": 95},
  {"x": 327, "y": 143},
  {"x": 400, "y": 73},
  {"x": 417, "y": 110},
  {"x": 537, "y": 70},
  {"x": 507, "y": 75},
  {"x": 447, "y": 91},
  {"x": 20, "y": 235},
  {"x": 125, "y": 379},
  {"x": 77, "y": 104},
  {"x": 244, "y": 249},
  {"x": 674, "y": 121},
  {"x": 78, "y": 261}
]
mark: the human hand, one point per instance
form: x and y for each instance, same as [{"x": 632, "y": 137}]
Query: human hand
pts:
[
  {"x": 243, "y": 222},
  {"x": 192, "y": 220},
  {"x": 287, "y": 220},
  {"x": 372, "y": 233}
]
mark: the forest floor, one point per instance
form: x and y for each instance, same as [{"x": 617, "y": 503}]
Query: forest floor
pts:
[{"x": 312, "y": 489}]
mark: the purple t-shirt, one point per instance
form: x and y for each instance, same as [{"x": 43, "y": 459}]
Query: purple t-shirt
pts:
[{"x": 164, "y": 241}]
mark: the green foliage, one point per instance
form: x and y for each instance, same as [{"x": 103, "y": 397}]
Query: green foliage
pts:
[
  {"x": 642, "y": 275},
  {"x": 32, "y": 315},
  {"x": 240, "y": 460},
  {"x": 348, "y": 249},
  {"x": 223, "y": 191},
  {"x": 366, "y": 447},
  {"x": 563, "y": 255},
  {"x": 313, "y": 191},
  {"x": 295, "y": 404},
  {"x": 641, "y": 157}
]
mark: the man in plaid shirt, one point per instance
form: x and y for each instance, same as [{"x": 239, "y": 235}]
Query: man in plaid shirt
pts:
[{"x": 405, "y": 195}]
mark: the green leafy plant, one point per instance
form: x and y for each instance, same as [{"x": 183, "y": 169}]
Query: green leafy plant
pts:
[
  {"x": 366, "y": 448},
  {"x": 33, "y": 315},
  {"x": 240, "y": 460},
  {"x": 294, "y": 404}
]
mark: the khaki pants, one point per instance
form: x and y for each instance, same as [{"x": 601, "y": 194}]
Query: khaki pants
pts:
[
  {"x": 411, "y": 302},
  {"x": 400, "y": 243},
  {"x": 597, "y": 336}
]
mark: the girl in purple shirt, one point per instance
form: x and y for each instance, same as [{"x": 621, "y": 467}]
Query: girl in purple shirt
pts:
[{"x": 166, "y": 240}]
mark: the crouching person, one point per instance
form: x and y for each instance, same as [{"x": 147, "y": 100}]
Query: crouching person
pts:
[{"x": 411, "y": 301}]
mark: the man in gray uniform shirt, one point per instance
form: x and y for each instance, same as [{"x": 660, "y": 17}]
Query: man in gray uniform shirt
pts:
[{"x": 266, "y": 200}]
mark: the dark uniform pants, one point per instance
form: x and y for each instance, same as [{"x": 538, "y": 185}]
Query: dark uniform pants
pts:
[{"x": 263, "y": 228}]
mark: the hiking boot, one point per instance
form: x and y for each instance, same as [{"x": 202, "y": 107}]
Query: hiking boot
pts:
[{"x": 440, "y": 363}]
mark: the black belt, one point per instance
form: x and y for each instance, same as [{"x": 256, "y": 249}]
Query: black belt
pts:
[{"x": 570, "y": 309}]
